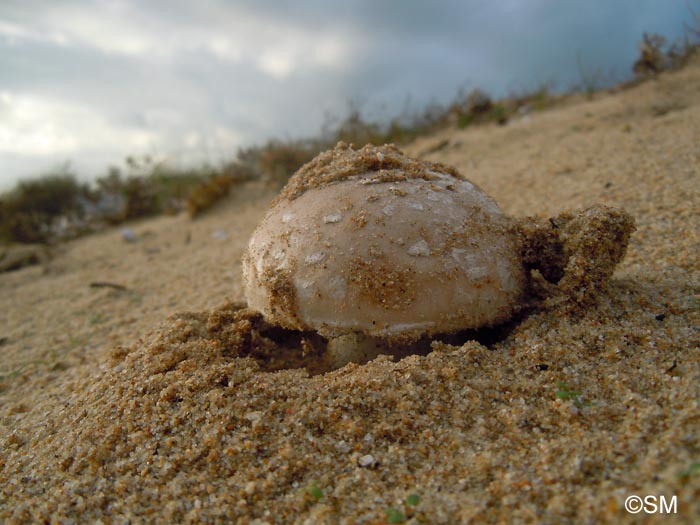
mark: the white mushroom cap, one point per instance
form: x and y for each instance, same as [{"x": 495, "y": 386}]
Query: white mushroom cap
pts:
[{"x": 383, "y": 245}]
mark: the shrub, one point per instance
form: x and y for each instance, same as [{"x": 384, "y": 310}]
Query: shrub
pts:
[
  {"x": 355, "y": 130},
  {"x": 279, "y": 160},
  {"x": 146, "y": 188},
  {"x": 477, "y": 107},
  {"x": 651, "y": 56},
  {"x": 29, "y": 211},
  {"x": 141, "y": 199},
  {"x": 207, "y": 193}
]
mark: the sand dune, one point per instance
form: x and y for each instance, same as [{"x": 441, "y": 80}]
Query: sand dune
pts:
[{"x": 117, "y": 407}]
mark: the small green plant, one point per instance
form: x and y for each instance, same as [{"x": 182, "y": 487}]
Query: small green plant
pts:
[
  {"x": 575, "y": 396},
  {"x": 413, "y": 500},
  {"x": 313, "y": 490},
  {"x": 692, "y": 470},
  {"x": 394, "y": 515}
]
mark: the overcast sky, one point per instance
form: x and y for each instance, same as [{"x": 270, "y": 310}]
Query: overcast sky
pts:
[{"x": 93, "y": 81}]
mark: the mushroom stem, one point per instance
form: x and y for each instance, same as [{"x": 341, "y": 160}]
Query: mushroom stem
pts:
[
  {"x": 360, "y": 348},
  {"x": 354, "y": 347}
]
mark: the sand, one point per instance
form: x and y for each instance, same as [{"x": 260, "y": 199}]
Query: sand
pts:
[{"x": 117, "y": 406}]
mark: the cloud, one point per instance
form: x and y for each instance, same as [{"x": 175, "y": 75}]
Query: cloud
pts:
[
  {"x": 196, "y": 80},
  {"x": 153, "y": 32},
  {"x": 13, "y": 34},
  {"x": 43, "y": 127}
]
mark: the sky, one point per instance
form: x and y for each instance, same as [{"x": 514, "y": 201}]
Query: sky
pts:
[{"x": 90, "y": 82}]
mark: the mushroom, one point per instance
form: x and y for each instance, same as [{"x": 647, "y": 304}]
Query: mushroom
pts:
[{"x": 369, "y": 247}]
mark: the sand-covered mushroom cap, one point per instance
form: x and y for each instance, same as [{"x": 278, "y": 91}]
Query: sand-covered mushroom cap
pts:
[{"x": 370, "y": 241}]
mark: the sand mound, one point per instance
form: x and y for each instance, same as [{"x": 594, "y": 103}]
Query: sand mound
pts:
[{"x": 181, "y": 428}]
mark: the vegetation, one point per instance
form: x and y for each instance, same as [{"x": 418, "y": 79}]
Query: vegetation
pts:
[
  {"x": 215, "y": 187},
  {"x": 575, "y": 396},
  {"x": 656, "y": 55},
  {"x": 692, "y": 470},
  {"x": 56, "y": 206},
  {"x": 313, "y": 490},
  {"x": 395, "y": 515},
  {"x": 27, "y": 212}
]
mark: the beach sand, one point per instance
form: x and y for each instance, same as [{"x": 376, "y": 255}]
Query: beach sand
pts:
[{"x": 119, "y": 406}]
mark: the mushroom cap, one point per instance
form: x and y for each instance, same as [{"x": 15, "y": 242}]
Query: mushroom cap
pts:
[{"x": 370, "y": 241}]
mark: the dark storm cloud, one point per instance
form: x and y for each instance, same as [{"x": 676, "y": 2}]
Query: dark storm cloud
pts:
[{"x": 94, "y": 81}]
